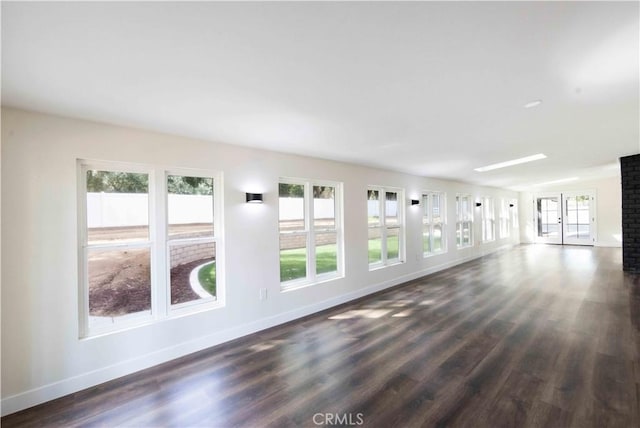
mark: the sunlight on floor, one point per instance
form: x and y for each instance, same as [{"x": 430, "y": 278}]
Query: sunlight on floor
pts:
[
  {"x": 361, "y": 313},
  {"x": 269, "y": 344},
  {"x": 403, "y": 314}
]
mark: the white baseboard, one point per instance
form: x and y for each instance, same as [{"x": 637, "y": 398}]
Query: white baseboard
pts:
[
  {"x": 67, "y": 386},
  {"x": 614, "y": 244}
]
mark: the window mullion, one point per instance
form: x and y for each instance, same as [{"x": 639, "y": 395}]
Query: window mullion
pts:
[
  {"x": 382, "y": 200},
  {"x": 429, "y": 208},
  {"x": 158, "y": 236}
]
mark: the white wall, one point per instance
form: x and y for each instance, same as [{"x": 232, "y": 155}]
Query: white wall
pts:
[
  {"x": 41, "y": 354},
  {"x": 608, "y": 209}
]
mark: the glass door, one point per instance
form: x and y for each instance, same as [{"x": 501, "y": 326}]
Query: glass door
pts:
[
  {"x": 549, "y": 218},
  {"x": 579, "y": 218},
  {"x": 565, "y": 218}
]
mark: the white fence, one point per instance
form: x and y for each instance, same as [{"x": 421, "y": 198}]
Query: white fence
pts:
[
  {"x": 130, "y": 209},
  {"x": 391, "y": 208},
  {"x": 293, "y": 208}
]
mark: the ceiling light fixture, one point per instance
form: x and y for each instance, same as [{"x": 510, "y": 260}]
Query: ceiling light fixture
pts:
[
  {"x": 511, "y": 162},
  {"x": 534, "y": 103},
  {"x": 563, "y": 180}
]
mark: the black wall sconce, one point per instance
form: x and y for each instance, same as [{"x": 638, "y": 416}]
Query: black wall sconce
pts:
[
  {"x": 254, "y": 198},
  {"x": 415, "y": 202},
  {"x": 478, "y": 204}
]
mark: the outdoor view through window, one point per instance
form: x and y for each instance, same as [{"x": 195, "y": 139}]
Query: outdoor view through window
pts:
[
  {"x": 120, "y": 243},
  {"x": 308, "y": 231}
]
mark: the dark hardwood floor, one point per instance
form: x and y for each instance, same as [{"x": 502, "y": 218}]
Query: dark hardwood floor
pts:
[{"x": 537, "y": 336}]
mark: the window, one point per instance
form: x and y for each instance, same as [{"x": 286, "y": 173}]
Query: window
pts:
[
  {"x": 433, "y": 223},
  {"x": 514, "y": 215},
  {"x": 464, "y": 221},
  {"x": 488, "y": 220},
  {"x": 143, "y": 257},
  {"x": 191, "y": 241},
  {"x": 386, "y": 226},
  {"x": 310, "y": 232},
  {"x": 505, "y": 229}
]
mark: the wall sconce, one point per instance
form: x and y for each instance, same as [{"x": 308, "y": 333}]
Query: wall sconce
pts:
[
  {"x": 254, "y": 198},
  {"x": 478, "y": 204},
  {"x": 415, "y": 202}
]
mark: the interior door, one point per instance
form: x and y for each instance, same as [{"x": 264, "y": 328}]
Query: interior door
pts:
[{"x": 549, "y": 218}]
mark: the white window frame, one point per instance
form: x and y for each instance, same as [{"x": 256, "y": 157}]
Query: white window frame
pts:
[
  {"x": 310, "y": 233},
  {"x": 463, "y": 218},
  {"x": 505, "y": 224},
  {"x": 488, "y": 219},
  {"x": 428, "y": 224},
  {"x": 157, "y": 243},
  {"x": 216, "y": 239},
  {"x": 384, "y": 228}
]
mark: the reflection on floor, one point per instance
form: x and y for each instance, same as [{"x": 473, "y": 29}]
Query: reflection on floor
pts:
[{"x": 534, "y": 336}]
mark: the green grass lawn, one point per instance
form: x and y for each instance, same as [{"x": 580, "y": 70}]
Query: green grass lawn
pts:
[
  {"x": 207, "y": 278},
  {"x": 375, "y": 248},
  {"x": 293, "y": 263}
]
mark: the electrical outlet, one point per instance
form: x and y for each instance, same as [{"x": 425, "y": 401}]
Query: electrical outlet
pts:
[{"x": 263, "y": 294}]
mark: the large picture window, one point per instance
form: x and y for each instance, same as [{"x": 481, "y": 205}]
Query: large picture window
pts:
[
  {"x": 386, "y": 226},
  {"x": 310, "y": 228},
  {"x": 148, "y": 244},
  {"x": 488, "y": 220},
  {"x": 433, "y": 223},
  {"x": 464, "y": 221}
]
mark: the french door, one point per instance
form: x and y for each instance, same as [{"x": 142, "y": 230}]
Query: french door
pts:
[{"x": 565, "y": 218}]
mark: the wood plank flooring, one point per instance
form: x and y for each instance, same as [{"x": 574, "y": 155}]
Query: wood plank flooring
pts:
[{"x": 536, "y": 336}]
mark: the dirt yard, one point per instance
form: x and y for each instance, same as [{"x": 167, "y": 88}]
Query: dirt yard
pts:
[{"x": 120, "y": 280}]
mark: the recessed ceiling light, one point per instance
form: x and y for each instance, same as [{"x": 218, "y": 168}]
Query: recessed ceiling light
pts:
[
  {"x": 532, "y": 104},
  {"x": 511, "y": 162},
  {"x": 562, "y": 180}
]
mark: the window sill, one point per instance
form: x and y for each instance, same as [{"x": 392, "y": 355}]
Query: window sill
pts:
[
  {"x": 379, "y": 266},
  {"x": 194, "y": 307},
  {"x": 299, "y": 284},
  {"x": 437, "y": 253},
  {"x": 103, "y": 327}
]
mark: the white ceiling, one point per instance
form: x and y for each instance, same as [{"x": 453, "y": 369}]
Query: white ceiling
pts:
[{"x": 434, "y": 89}]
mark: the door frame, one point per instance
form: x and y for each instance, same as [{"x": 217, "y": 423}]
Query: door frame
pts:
[
  {"x": 592, "y": 218},
  {"x": 546, "y": 240},
  {"x": 563, "y": 238}
]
